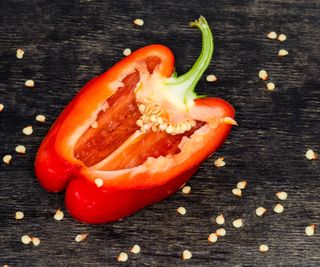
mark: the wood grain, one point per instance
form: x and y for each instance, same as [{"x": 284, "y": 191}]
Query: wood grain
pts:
[{"x": 67, "y": 43}]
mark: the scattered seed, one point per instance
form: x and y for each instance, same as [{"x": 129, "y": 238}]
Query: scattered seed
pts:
[
  {"x": 80, "y": 237},
  {"x": 138, "y": 22},
  {"x": 135, "y": 249},
  {"x": 260, "y": 211},
  {"x": 19, "y": 215},
  {"x": 283, "y": 53},
  {"x": 278, "y": 208},
  {"x": 182, "y": 210},
  {"x": 221, "y": 232},
  {"x": 122, "y": 257},
  {"x": 98, "y": 182},
  {"x": 1, "y": 107},
  {"x": 263, "y": 75},
  {"x": 94, "y": 125},
  {"x": 219, "y": 162},
  {"x": 271, "y": 86},
  {"x": 272, "y": 35},
  {"x": 310, "y": 155},
  {"x": 25, "y": 239},
  {"x": 186, "y": 255},
  {"x": 58, "y": 216},
  {"x": 27, "y": 130},
  {"x": 229, "y": 120},
  {"x": 211, "y": 78},
  {"x": 282, "y": 195},
  {"x": 263, "y": 248},
  {"x": 126, "y": 52},
  {"x": 29, "y": 83},
  {"x": 242, "y": 184},
  {"x": 40, "y": 118},
  {"x": 35, "y": 241},
  {"x": 310, "y": 230},
  {"x": 220, "y": 219},
  {"x": 237, "y": 223},
  {"x": 7, "y": 159},
  {"x": 237, "y": 192},
  {"x": 213, "y": 238},
  {"x": 186, "y": 190},
  {"x": 19, "y": 53},
  {"x": 282, "y": 37},
  {"x": 20, "y": 149}
]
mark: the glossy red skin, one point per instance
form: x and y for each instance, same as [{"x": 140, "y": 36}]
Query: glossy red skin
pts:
[{"x": 84, "y": 200}]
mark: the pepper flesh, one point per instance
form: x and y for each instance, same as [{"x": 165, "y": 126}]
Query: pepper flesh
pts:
[{"x": 111, "y": 160}]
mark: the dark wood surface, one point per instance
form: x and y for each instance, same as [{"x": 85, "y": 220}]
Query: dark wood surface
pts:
[{"x": 67, "y": 43}]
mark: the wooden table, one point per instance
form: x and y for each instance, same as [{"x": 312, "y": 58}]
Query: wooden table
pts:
[{"x": 66, "y": 43}]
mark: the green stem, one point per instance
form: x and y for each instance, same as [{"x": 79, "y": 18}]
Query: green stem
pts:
[{"x": 184, "y": 85}]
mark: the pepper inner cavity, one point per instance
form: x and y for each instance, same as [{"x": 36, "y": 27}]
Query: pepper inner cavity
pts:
[{"x": 122, "y": 119}]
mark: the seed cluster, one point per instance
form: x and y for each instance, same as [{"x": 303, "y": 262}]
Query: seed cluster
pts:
[
  {"x": 25, "y": 239},
  {"x": 152, "y": 119}
]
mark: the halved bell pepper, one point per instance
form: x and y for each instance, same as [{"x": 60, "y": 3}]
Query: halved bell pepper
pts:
[{"x": 134, "y": 135}]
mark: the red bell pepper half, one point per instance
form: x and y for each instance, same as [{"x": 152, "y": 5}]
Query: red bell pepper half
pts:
[{"x": 134, "y": 135}]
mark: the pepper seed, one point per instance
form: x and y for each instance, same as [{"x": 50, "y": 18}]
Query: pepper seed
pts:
[
  {"x": 126, "y": 52},
  {"x": 213, "y": 238},
  {"x": 98, "y": 182},
  {"x": 20, "y": 149},
  {"x": 80, "y": 237},
  {"x": 272, "y": 35},
  {"x": 310, "y": 230},
  {"x": 242, "y": 184},
  {"x": 260, "y": 211},
  {"x": 19, "y": 53},
  {"x": 25, "y": 239},
  {"x": 186, "y": 190},
  {"x": 40, "y": 118},
  {"x": 219, "y": 162},
  {"x": 29, "y": 83},
  {"x": 263, "y": 248},
  {"x": 220, "y": 219},
  {"x": 283, "y": 53},
  {"x": 138, "y": 22},
  {"x": 282, "y": 37},
  {"x": 221, "y": 232},
  {"x": 181, "y": 210},
  {"x": 211, "y": 78},
  {"x": 263, "y": 75},
  {"x": 271, "y": 86},
  {"x": 58, "y": 216},
  {"x": 122, "y": 257},
  {"x": 135, "y": 249},
  {"x": 19, "y": 215},
  {"x": 237, "y": 223},
  {"x": 27, "y": 130},
  {"x": 282, "y": 195},
  {"x": 310, "y": 155},
  {"x": 7, "y": 159},
  {"x": 186, "y": 255},
  {"x": 35, "y": 241},
  {"x": 237, "y": 192},
  {"x": 278, "y": 208}
]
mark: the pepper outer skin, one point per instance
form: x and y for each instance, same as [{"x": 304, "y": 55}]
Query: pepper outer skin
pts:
[{"x": 121, "y": 195}]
